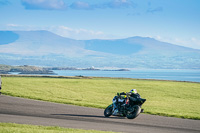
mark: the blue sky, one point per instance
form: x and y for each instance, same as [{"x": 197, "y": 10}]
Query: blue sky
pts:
[{"x": 173, "y": 21}]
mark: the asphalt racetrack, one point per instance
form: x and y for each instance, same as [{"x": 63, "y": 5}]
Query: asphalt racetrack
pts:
[{"x": 25, "y": 111}]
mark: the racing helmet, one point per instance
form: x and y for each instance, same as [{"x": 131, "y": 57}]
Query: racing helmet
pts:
[{"x": 133, "y": 91}]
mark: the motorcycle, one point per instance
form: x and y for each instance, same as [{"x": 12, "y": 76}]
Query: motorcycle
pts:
[{"x": 129, "y": 108}]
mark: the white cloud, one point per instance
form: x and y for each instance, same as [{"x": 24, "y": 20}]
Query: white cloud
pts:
[
  {"x": 12, "y": 25},
  {"x": 44, "y": 4},
  {"x": 80, "y": 34},
  {"x": 153, "y": 10},
  {"x": 80, "y": 5},
  {"x": 115, "y": 4},
  {"x": 186, "y": 42},
  {"x": 74, "y": 33},
  {"x": 121, "y": 4},
  {"x": 196, "y": 42}
]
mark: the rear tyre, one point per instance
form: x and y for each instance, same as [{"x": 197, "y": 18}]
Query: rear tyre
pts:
[
  {"x": 108, "y": 111},
  {"x": 135, "y": 113}
]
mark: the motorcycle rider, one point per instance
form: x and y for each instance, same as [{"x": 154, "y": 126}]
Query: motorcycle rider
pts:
[{"x": 133, "y": 96}]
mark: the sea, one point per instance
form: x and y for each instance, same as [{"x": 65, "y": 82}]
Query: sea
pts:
[{"x": 163, "y": 74}]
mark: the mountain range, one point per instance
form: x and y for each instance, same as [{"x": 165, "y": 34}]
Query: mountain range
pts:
[{"x": 44, "y": 48}]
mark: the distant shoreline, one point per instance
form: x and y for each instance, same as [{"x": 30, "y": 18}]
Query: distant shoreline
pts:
[
  {"x": 26, "y": 69},
  {"x": 87, "y": 77},
  {"x": 191, "y": 75}
]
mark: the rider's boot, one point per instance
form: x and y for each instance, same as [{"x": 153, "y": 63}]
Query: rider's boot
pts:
[{"x": 115, "y": 112}]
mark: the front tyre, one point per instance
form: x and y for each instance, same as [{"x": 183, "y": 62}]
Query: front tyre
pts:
[
  {"x": 135, "y": 113},
  {"x": 108, "y": 111}
]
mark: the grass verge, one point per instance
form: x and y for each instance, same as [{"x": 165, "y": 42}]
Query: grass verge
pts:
[
  {"x": 22, "y": 128},
  {"x": 167, "y": 98}
]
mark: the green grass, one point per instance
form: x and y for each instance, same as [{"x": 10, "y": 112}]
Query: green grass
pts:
[
  {"x": 22, "y": 128},
  {"x": 167, "y": 98}
]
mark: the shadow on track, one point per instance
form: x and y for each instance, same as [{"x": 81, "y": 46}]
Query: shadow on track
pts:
[{"x": 90, "y": 116}]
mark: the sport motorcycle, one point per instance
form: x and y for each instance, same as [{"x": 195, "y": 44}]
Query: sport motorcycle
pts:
[{"x": 127, "y": 107}]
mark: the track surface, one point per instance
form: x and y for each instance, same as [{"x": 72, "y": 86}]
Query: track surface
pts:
[{"x": 25, "y": 111}]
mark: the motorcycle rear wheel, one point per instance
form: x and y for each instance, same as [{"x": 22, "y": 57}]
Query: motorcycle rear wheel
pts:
[{"x": 135, "y": 113}]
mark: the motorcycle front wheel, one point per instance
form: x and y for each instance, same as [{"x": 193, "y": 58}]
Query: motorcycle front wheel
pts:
[
  {"x": 133, "y": 114},
  {"x": 108, "y": 111}
]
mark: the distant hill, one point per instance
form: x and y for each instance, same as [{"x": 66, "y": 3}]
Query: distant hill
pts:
[{"x": 44, "y": 48}]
